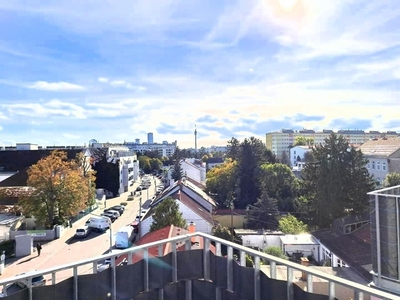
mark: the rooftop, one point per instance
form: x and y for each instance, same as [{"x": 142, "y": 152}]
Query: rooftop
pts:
[{"x": 380, "y": 147}]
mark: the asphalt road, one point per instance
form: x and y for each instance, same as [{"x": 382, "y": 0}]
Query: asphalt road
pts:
[{"x": 67, "y": 249}]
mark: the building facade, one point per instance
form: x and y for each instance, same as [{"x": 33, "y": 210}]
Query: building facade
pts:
[
  {"x": 296, "y": 154},
  {"x": 150, "y": 139},
  {"x": 281, "y": 141},
  {"x": 383, "y": 157},
  {"x": 165, "y": 149}
]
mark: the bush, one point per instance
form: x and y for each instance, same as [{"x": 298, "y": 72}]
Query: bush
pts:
[
  {"x": 9, "y": 247},
  {"x": 275, "y": 251},
  {"x": 124, "y": 203}
]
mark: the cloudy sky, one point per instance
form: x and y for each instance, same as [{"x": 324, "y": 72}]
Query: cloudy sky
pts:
[{"x": 73, "y": 70}]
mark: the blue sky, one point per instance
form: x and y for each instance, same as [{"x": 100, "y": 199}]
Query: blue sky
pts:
[{"x": 114, "y": 70}]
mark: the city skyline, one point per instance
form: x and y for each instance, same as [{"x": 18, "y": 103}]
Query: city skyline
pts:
[{"x": 74, "y": 71}]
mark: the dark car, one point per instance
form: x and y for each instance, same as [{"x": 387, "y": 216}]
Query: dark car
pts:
[
  {"x": 118, "y": 208},
  {"x": 139, "y": 188}
]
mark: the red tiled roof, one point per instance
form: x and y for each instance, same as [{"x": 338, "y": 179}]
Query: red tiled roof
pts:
[{"x": 161, "y": 234}]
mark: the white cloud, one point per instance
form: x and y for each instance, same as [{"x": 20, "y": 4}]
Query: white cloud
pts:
[
  {"x": 52, "y": 108},
  {"x": 55, "y": 86},
  {"x": 70, "y": 136},
  {"x": 102, "y": 79}
]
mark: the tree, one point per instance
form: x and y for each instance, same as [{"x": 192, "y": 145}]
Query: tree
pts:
[
  {"x": 155, "y": 164},
  {"x": 251, "y": 155},
  {"x": 220, "y": 183},
  {"x": 222, "y": 232},
  {"x": 263, "y": 213},
  {"x": 281, "y": 184},
  {"x": 285, "y": 158},
  {"x": 167, "y": 213},
  {"x": 290, "y": 225},
  {"x": 177, "y": 172},
  {"x": 59, "y": 189},
  {"x": 144, "y": 163},
  {"x": 303, "y": 141},
  {"x": 233, "y": 149},
  {"x": 337, "y": 180},
  {"x": 392, "y": 179}
]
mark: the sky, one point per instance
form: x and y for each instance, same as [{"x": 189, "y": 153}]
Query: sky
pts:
[{"x": 73, "y": 70}]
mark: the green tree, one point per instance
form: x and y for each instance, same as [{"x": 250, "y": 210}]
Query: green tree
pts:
[
  {"x": 337, "y": 180},
  {"x": 234, "y": 149},
  {"x": 263, "y": 213},
  {"x": 222, "y": 232},
  {"x": 251, "y": 155},
  {"x": 274, "y": 251},
  {"x": 392, "y": 179},
  {"x": 177, "y": 172},
  {"x": 290, "y": 225},
  {"x": 59, "y": 189},
  {"x": 144, "y": 163},
  {"x": 285, "y": 158},
  {"x": 281, "y": 184},
  {"x": 303, "y": 141},
  {"x": 167, "y": 213},
  {"x": 155, "y": 164}
]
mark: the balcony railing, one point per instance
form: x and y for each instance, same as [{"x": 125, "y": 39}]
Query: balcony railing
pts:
[{"x": 205, "y": 257}]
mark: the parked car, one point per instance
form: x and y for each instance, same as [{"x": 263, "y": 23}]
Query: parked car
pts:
[
  {"x": 139, "y": 188},
  {"x": 119, "y": 208},
  {"x": 23, "y": 284},
  {"x": 83, "y": 232},
  {"x": 110, "y": 215}
]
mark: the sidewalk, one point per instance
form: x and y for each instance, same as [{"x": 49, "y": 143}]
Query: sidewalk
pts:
[{"x": 50, "y": 250}]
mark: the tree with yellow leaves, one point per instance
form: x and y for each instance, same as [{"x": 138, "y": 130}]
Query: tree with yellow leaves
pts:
[{"x": 61, "y": 188}]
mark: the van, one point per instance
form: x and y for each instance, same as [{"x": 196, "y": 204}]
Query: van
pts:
[
  {"x": 124, "y": 237},
  {"x": 99, "y": 224}
]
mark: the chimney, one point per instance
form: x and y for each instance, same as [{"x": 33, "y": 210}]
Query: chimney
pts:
[{"x": 192, "y": 229}]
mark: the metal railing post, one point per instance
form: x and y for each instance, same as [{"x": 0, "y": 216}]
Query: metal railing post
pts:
[
  {"x": 257, "y": 291},
  {"x": 229, "y": 269}
]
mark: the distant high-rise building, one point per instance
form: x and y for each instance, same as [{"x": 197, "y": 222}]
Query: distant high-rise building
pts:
[
  {"x": 137, "y": 141},
  {"x": 195, "y": 139},
  {"x": 150, "y": 138}
]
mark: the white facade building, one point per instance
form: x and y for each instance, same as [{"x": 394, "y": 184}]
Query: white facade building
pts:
[
  {"x": 127, "y": 163},
  {"x": 383, "y": 157},
  {"x": 164, "y": 149},
  {"x": 27, "y": 146},
  {"x": 297, "y": 154},
  {"x": 194, "y": 204}
]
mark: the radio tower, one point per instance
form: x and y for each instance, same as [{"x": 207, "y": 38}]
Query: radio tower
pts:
[{"x": 195, "y": 139}]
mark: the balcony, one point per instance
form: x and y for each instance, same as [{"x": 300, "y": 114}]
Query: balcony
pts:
[{"x": 185, "y": 273}]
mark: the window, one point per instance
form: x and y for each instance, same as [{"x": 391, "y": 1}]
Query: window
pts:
[
  {"x": 373, "y": 165},
  {"x": 369, "y": 165},
  {"x": 383, "y": 166},
  {"x": 378, "y": 165}
]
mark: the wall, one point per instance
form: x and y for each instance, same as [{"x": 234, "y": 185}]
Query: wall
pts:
[
  {"x": 378, "y": 167},
  {"x": 305, "y": 249},
  {"x": 261, "y": 241},
  {"x": 42, "y": 235},
  {"x": 239, "y": 221}
]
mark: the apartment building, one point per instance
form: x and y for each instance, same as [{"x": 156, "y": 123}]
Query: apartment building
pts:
[
  {"x": 281, "y": 141},
  {"x": 383, "y": 157}
]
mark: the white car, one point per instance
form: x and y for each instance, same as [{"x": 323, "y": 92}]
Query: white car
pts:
[{"x": 22, "y": 284}]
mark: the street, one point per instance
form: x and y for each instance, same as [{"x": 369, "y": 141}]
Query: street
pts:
[{"x": 67, "y": 249}]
